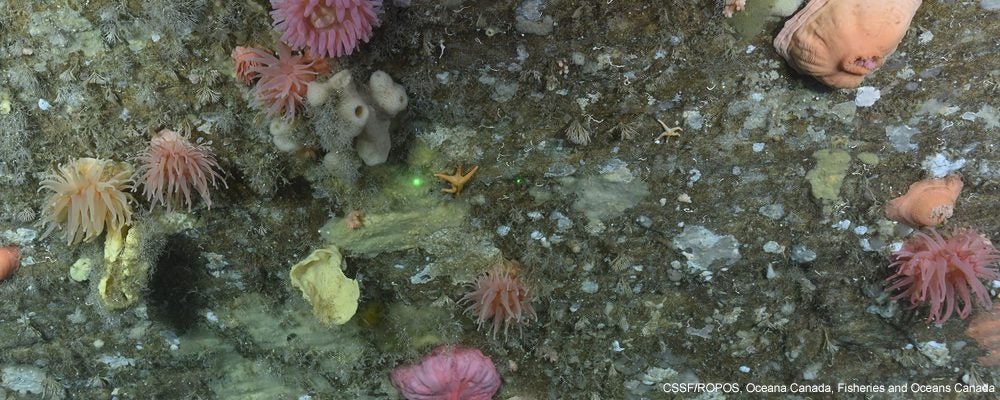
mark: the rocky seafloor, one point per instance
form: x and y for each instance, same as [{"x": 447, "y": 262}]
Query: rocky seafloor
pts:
[{"x": 752, "y": 248}]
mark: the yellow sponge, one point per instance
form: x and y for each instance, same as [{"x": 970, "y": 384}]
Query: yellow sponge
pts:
[{"x": 333, "y": 295}]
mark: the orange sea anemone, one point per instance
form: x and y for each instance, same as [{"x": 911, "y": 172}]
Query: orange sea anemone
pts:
[
  {"x": 839, "y": 42},
  {"x": 502, "y": 296},
  {"x": 928, "y": 202},
  {"x": 985, "y": 328},
  {"x": 88, "y": 196},
  {"x": 10, "y": 260}
]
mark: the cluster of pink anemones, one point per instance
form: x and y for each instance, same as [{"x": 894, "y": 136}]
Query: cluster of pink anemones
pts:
[
  {"x": 331, "y": 28},
  {"x": 172, "y": 166},
  {"x": 944, "y": 270},
  {"x": 501, "y": 295},
  {"x": 282, "y": 80},
  {"x": 449, "y": 372},
  {"x": 88, "y": 196}
]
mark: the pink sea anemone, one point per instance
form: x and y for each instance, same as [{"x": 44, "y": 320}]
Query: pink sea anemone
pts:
[
  {"x": 936, "y": 269},
  {"x": 448, "y": 373},
  {"x": 502, "y": 296},
  {"x": 331, "y": 28},
  {"x": 88, "y": 196},
  {"x": 283, "y": 79},
  {"x": 243, "y": 60},
  {"x": 172, "y": 166}
]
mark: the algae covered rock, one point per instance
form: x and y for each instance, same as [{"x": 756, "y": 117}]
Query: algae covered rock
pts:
[
  {"x": 827, "y": 176},
  {"x": 440, "y": 229},
  {"x": 394, "y": 231},
  {"x": 333, "y": 295}
]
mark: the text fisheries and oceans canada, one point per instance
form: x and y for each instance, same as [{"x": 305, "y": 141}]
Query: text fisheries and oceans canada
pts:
[{"x": 840, "y": 387}]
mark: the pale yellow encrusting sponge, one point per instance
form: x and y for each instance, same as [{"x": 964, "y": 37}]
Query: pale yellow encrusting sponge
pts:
[
  {"x": 125, "y": 271},
  {"x": 333, "y": 295}
]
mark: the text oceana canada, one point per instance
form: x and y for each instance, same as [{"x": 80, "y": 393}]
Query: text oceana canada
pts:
[{"x": 913, "y": 387}]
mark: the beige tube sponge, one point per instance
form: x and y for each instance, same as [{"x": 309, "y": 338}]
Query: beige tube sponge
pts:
[
  {"x": 333, "y": 295},
  {"x": 388, "y": 96},
  {"x": 363, "y": 115}
]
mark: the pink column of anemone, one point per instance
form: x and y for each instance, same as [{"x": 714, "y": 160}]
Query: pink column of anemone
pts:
[
  {"x": 944, "y": 270},
  {"x": 331, "y": 28},
  {"x": 448, "y": 373}
]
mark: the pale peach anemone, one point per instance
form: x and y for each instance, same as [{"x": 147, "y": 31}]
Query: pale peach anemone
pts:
[
  {"x": 928, "y": 202},
  {"x": 839, "y": 42},
  {"x": 10, "y": 260},
  {"x": 88, "y": 196}
]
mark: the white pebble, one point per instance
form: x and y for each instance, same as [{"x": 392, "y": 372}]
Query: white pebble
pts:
[
  {"x": 423, "y": 276},
  {"x": 867, "y": 96},
  {"x": 842, "y": 224},
  {"x": 925, "y": 37},
  {"x": 773, "y": 247}
]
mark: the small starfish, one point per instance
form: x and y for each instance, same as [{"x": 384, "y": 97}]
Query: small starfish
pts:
[
  {"x": 667, "y": 132},
  {"x": 457, "y": 181}
]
